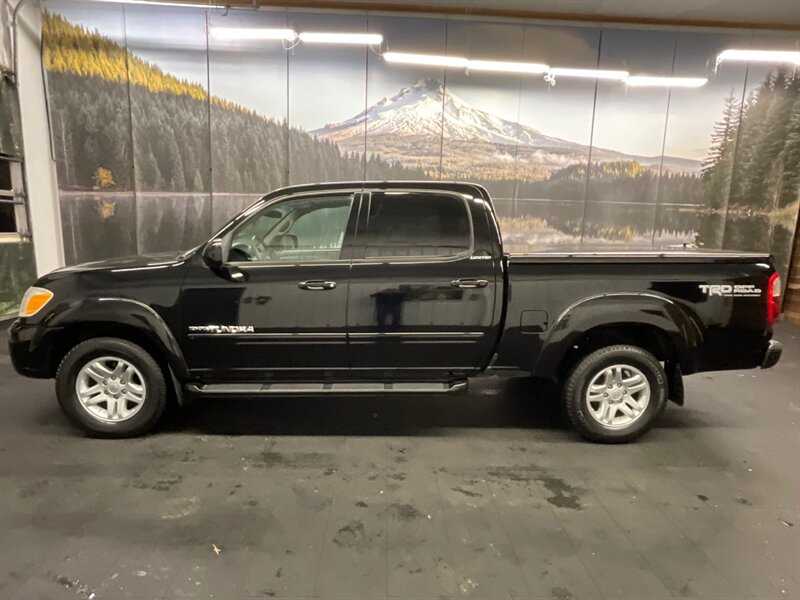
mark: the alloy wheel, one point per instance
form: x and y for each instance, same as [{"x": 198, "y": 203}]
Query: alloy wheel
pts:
[{"x": 111, "y": 389}]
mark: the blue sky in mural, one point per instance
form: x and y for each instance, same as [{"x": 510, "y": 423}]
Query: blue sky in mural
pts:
[
  {"x": 327, "y": 83},
  {"x": 250, "y": 73},
  {"x": 632, "y": 120},
  {"x": 174, "y": 39},
  {"x": 693, "y": 111},
  {"x": 404, "y": 34},
  {"x": 544, "y": 106}
]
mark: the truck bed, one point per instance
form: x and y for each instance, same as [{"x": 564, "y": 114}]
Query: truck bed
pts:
[{"x": 558, "y": 297}]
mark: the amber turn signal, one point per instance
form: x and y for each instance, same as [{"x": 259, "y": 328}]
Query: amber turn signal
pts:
[{"x": 33, "y": 301}]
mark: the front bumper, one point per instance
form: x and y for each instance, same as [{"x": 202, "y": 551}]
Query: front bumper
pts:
[
  {"x": 772, "y": 354},
  {"x": 30, "y": 347}
]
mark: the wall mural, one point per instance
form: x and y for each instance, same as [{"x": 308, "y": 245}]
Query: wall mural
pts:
[{"x": 163, "y": 131}]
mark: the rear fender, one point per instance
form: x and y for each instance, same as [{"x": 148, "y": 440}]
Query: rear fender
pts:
[
  {"x": 607, "y": 310},
  {"x": 131, "y": 313}
]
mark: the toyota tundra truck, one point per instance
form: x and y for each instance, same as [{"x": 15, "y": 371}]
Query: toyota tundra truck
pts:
[{"x": 390, "y": 288}]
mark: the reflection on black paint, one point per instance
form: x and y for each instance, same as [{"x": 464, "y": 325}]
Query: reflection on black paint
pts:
[
  {"x": 260, "y": 300},
  {"x": 388, "y": 308},
  {"x": 389, "y": 302}
]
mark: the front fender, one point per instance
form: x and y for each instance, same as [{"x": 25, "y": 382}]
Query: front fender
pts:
[
  {"x": 604, "y": 310},
  {"x": 128, "y": 312}
]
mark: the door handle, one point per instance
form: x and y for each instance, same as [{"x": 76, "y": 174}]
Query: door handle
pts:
[
  {"x": 469, "y": 283},
  {"x": 317, "y": 285}
]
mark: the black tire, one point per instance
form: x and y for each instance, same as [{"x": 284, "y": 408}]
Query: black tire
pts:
[
  {"x": 155, "y": 399},
  {"x": 577, "y": 405}
]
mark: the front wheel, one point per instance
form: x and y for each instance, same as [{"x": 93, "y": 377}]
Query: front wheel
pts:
[
  {"x": 111, "y": 388},
  {"x": 615, "y": 394}
]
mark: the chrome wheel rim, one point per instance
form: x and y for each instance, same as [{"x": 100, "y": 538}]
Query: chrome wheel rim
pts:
[
  {"x": 110, "y": 389},
  {"x": 618, "y": 396}
]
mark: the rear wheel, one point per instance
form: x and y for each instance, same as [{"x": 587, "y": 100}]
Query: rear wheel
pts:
[
  {"x": 111, "y": 388},
  {"x": 615, "y": 394}
]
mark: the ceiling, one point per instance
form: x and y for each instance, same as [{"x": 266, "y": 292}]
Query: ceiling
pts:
[{"x": 778, "y": 14}]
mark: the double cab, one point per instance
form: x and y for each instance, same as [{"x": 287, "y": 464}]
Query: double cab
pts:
[{"x": 390, "y": 288}]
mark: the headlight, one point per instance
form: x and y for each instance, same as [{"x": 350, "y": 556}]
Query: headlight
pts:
[{"x": 33, "y": 301}]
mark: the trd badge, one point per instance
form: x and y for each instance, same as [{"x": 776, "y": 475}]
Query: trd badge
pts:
[{"x": 734, "y": 291}]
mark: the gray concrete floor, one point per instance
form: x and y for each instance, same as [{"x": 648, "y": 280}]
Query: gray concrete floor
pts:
[{"x": 484, "y": 495}]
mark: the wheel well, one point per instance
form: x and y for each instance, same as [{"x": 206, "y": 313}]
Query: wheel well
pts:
[
  {"x": 647, "y": 337},
  {"x": 73, "y": 335}
]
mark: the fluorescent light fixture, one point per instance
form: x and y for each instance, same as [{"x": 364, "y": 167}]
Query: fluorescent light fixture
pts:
[
  {"x": 251, "y": 33},
  {"x": 588, "y": 73},
  {"x": 366, "y": 39},
  {"x": 771, "y": 56},
  {"x": 438, "y": 60},
  {"x": 506, "y": 67},
  {"x": 653, "y": 81},
  {"x": 432, "y": 60}
]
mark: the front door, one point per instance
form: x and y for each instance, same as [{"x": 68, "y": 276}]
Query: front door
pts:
[
  {"x": 421, "y": 306},
  {"x": 277, "y": 310}
]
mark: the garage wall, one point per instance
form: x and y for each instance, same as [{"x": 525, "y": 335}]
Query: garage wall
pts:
[{"x": 162, "y": 131}]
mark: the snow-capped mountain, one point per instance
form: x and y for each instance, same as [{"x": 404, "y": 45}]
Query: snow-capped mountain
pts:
[
  {"x": 410, "y": 126},
  {"x": 417, "y": 110}
]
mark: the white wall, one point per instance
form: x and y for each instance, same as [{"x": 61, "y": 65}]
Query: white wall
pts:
[
  {"x": 5, "y": 37},
  {"x": 41, "y": 184}
]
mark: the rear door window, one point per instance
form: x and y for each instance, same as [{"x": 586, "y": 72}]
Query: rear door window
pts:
[{"x": 417, "y": 225}]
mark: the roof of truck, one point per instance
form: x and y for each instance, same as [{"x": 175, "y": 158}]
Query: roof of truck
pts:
[{"x": 454, "y": 186}]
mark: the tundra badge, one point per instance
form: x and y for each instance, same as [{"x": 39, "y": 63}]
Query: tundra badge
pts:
[{"x": 221, "y": 328}]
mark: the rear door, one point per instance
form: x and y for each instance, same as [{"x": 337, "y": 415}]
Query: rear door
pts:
[{"x": 422, "y": 292}]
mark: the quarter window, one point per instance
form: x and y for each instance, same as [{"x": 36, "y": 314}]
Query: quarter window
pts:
[
  {"x": 416, "y": 224},
  {"x": 297, "y": 230}
]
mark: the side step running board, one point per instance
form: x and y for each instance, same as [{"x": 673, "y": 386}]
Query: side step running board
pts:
[{"x": 313, "y": 388}]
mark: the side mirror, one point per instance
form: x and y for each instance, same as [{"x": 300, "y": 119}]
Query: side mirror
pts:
[{"x": 213, "y": 254}]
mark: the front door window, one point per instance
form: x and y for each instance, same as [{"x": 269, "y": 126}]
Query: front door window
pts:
[{"x": 303, "y": 230}]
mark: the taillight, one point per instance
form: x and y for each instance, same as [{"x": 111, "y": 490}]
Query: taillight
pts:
[{"x": 773, "y": 299}]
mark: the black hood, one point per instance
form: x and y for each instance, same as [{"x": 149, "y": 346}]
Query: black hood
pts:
[
  {"x": 137, "y": 264},
  {"x": 136, "y": 261}
]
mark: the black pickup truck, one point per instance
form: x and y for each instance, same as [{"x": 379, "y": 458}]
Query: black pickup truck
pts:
[{"x": 390, "y": 288}]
